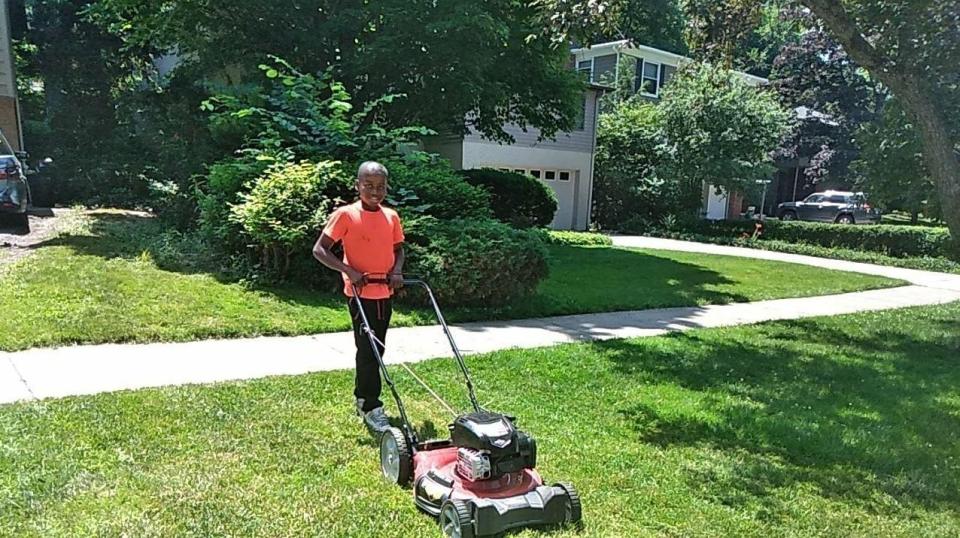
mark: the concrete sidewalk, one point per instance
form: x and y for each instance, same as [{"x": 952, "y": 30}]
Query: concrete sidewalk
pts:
[{"x": 58, "y": 372}]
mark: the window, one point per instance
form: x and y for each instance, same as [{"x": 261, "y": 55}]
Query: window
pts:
[
  {"x": 814, "y": 199},
  {"x": 535, "y": 173},
  {"x": 564, "y": 175},
  {"x": 650, "y": 80},
  {"x": 520, "y": 171},
  {"x": 838, "y": 199},
  {"x": 586, "y": 68},
  {"x": 550, "y": 175}
]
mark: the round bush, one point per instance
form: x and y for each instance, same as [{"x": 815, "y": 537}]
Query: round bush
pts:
[
  {"x": 437, "y": 190},
  {"x": 475, "y": 262},
  {"x": 517, "y": 199},
  {"x": 285, "y": 208}
]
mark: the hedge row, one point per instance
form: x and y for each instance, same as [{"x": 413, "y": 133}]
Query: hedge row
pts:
[
  {"x": 942, "y": 265},
  {"x": 567, "y": 237},
  {"x": 890, "y": 240}
]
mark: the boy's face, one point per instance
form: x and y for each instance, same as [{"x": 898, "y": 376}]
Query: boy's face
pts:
[{"x": 372, "y": 189}]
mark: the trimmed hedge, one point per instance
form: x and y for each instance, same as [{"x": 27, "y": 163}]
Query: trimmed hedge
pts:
[
  {"x": 942, "y": 265},
  {"x": 475, "y": 262},
  {"x": 891, "y": 240},
  {"x": 566, "y": 237},
  {"x": 517, "y": 199}
]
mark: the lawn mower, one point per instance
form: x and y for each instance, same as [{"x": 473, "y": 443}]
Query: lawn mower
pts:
[{"x": 482, "y": 480}]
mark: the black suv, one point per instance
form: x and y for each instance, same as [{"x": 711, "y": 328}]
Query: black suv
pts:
[
  {"x": 831, "y": 206},
  {"x": 14, "y": 191}
]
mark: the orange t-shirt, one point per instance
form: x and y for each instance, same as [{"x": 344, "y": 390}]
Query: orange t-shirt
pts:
[{"x": 368, "y": 239}]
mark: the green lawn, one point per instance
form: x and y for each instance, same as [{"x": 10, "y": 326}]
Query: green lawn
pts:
[
  {"x": 104, "y": 285},
  {"x": 843, "y": 426},
  {"x": 901, "y": 217}
]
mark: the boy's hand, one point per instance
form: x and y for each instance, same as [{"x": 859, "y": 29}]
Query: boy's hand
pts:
[
  {"x": 355, "y": 276},
  {"x": 396, "y": 281}
]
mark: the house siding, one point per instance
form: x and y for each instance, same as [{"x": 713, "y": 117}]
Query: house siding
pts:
[
  {"x": 577, "y": 140},
  {"x": 9, "y": 120}
]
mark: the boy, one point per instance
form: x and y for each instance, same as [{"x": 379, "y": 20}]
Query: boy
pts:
[{"x": 372, "y": 245}]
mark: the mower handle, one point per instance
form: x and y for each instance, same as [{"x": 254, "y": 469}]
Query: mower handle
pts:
[
  {"x": 383, "y": 279},
  {"x": 414, "y": 281}
]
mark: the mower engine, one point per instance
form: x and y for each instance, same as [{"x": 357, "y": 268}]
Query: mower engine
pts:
[{"x": 489, "y": 446}]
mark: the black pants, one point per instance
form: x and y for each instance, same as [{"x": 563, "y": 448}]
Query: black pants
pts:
[{"x": 367, "y": 382}]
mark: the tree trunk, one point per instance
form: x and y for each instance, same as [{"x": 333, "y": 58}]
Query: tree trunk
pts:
[
  {"x": 914, "y": 91},
  {"x": 914, "y": 216}
]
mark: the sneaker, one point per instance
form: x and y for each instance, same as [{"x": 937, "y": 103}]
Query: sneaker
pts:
[
  {"x": 376, "y": 419},
  {"x": 360, "y": 407}
]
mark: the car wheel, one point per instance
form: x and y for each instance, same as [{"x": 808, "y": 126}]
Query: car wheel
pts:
[
  {"x": 788, "y": 215},
  {"x": 455, "y": 519},
  {"x": 396, "y": 462},
  {"x": 845, "y": 219}
]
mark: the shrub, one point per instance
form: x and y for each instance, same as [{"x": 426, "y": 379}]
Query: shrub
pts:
[
  {"x": 475, "y": 262},
  {"x": 897, "y": 241},
  {"x": 285, "y": 208},
  {"x": 565, "y": 237},
  {"x": 219, "y": 190},
  {"x": 437, "y": 190},
  {"x": 627, "y": 191},
  {"x": 923, "y": 263},
  {"x": 891, "y": 240},
  {"x": 516, "y": 199}
]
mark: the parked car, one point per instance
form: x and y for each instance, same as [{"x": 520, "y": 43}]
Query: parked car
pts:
[
  {"x": 14, "y": 190},
  {"x": 831, "y": 206}
]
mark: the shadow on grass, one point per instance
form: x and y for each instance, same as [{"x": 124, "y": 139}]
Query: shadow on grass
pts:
[
  {"x": 131, "y": 235},
  {"x": 853, "y": 413},
  {"x": 582, "y": 280}
]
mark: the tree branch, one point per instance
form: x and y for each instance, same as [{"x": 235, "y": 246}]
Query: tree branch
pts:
[{"x": 844, "y": 29}]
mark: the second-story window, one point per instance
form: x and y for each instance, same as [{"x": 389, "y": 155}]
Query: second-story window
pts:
[
  {"x": 585, "y": 67},
  {"x": 650, "y": 79}
]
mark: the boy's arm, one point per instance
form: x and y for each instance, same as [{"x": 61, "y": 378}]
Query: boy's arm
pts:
[
  {"x": 396, "y": 272},
  {"x": 321, "y": 251}
]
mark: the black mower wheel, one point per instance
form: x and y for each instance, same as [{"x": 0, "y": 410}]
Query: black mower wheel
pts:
[
  {"x": 455, "y": 519},
  {"x": 396, "y": 461},
  {"x": 574, "y": 509}
]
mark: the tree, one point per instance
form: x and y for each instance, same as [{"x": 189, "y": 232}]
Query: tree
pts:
[
  {"x": 71, "y": 74},
  {"x": 654, "y": 23},
  {"x": 718, "y": 130},
  {"x": 890, "y": 165},
  {"x": 815, "y": 75},
  {"x": 779, "y": 26},
  {"x": 453, "y": 60},
  {"x": 626, "y": 185},
  {"x": 913, "y": 49},
  {"x": 716, "y": 30}
]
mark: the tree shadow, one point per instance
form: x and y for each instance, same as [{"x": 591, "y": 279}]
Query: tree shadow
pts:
[
  {"x": 852, "y": 412},
  {"x": 619, "y": 279},
  {"x": 591, "y": 280}
]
